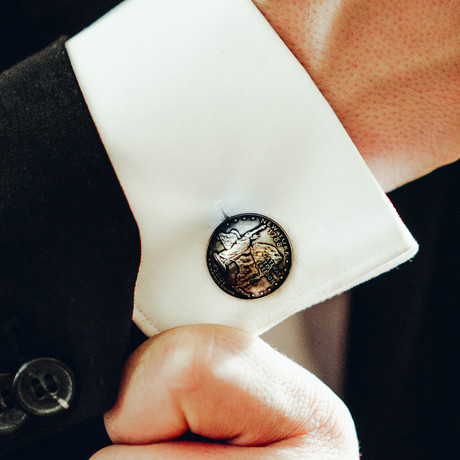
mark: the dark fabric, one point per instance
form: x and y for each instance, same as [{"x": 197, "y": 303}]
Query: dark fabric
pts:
[
  {"x": 69, "y": 246},
  {"x": 403, "y": 365},
  {"x": 76, "y": 443},
  {"x": 27, "y": 26}
]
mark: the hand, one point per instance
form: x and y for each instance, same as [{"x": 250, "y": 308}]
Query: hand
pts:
[
  {"x": 230, "y": 387},
  {"x": 389, "y": 69}
]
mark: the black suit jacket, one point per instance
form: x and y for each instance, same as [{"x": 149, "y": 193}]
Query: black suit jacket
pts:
[{"x": 69, "y": 253}]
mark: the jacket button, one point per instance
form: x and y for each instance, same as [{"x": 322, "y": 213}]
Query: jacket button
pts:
[
  {"x": 44, "y": 386},
  {"x": 11, "y": 416}
]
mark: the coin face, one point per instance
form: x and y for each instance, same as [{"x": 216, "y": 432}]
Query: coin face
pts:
[{"x": 249, "y": 256}]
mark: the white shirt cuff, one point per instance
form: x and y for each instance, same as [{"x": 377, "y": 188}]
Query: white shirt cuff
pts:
[{"x": 205, "y": 113}]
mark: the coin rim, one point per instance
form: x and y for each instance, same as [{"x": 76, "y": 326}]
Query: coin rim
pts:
[{"x": 236, "y": 216}]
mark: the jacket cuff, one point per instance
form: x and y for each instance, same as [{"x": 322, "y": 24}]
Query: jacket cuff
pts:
[{"x": 68, "y": 242}]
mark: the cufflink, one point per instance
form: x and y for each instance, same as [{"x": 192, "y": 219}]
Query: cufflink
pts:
[{"x": 249, "y": 256}]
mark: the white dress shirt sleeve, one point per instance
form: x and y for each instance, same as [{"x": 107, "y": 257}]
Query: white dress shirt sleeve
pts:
[{"x": 205, "y": 113}]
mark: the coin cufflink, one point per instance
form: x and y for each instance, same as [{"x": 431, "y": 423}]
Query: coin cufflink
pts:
[{"x": 249, "y": 256}]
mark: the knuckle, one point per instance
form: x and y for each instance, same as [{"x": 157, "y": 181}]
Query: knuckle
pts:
[
  {"x": 339, "y": 430},
  {"x": 330, "y": 423}
]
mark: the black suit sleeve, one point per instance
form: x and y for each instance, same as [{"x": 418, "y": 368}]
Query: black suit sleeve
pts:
[{"x": 69, "y": 246}]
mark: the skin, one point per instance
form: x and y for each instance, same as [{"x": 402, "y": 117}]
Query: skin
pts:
[
  {"x": 391, "y": 72},
  {"x": 229, "y": 386}
]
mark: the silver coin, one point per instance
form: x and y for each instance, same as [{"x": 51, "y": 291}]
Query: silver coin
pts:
[{"x": 249, "y": 256}]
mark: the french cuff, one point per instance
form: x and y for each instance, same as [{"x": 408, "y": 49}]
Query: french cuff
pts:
[{"x": 208, "y": 119}]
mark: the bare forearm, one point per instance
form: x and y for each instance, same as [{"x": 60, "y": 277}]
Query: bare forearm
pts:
[{"x": 390, "y": 70}]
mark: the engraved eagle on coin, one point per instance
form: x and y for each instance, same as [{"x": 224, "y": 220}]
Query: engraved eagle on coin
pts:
[{"x": 249, "y": 256}]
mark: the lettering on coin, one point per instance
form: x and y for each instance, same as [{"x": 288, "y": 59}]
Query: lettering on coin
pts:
[{"x": 249, "y": 256}]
